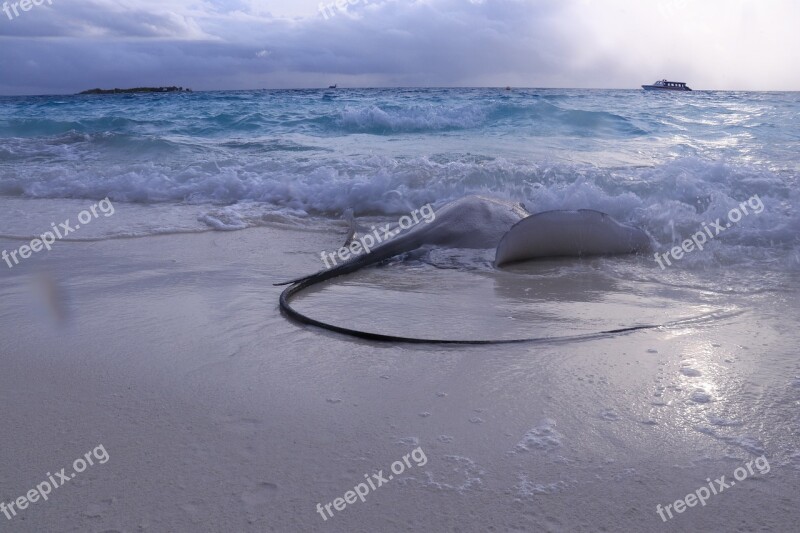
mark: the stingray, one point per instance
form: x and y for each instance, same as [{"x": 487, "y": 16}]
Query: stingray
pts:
[{"x": 482, "y": 222}]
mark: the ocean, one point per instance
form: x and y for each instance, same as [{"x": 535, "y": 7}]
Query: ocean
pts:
[
  {"x": 155, "y": 324},
  {"x": 667, "y": 162}
]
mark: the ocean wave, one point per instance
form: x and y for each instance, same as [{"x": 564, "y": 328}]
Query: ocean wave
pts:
[
  {"x": 410, "y": 119},
  {"x": 586, "y": 122},
  {"x": 671, "y": 200},
  {"x": 44, "y": 127},
  {"x": 535, "y": 116}
]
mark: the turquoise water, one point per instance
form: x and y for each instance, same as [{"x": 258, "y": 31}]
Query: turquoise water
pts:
[{"x": 667, "y": 162}]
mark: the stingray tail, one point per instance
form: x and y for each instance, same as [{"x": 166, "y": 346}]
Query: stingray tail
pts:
[{"x": 351, "y": 265}]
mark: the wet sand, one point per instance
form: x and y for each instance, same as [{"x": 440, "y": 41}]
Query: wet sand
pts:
[{"x": 218, "y": 414}]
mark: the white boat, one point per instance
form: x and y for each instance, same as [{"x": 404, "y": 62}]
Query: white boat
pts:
[{"x": 665, "y": 85}]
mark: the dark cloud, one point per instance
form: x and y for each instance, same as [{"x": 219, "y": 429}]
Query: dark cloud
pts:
[{"x": 235, "y": 44}]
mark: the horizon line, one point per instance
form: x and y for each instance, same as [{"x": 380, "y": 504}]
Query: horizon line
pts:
[{"x": 318, "y": 88}]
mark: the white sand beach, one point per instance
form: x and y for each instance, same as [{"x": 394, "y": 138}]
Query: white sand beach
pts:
[{"x": 219, "y": 414}]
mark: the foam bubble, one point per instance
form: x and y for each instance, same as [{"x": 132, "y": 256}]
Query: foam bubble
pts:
[{"x": 542, "y": 437}]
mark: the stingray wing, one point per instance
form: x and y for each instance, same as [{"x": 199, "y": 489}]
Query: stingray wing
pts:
[{"x": 569, "y": 234}]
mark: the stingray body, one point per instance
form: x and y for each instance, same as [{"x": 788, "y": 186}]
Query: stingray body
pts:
[
  {"x": 469, "y": 222},
  {"x": 484, "y": 222}
]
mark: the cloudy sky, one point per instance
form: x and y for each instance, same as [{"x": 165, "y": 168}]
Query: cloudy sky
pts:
[{"x": 64, "y": 46}]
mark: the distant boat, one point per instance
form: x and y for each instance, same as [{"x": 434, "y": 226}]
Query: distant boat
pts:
[
  {"x": 664, "y": 85},
  {"x": 333, "y": 86}
]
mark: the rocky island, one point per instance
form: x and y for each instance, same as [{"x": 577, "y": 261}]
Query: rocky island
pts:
[{"x": 172, "y": 89}]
